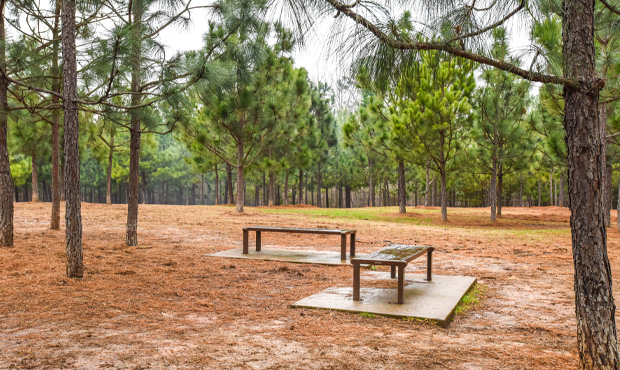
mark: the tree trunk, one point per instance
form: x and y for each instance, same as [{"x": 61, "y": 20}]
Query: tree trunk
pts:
[
  {"x": 217, "y": 186},
  {"x": 301, "y": 175},
  {"x": 319, "y": 185},
  {"x": 427, "y": 193},
  {"x": 73, "y": 212},
  {"x": 444, "y": 196},
  {"x": 240, "y": 180},
  {"x": 594, "y": 303},
  {"x": 286, "y": 188},
  {"x": 561, "y": 186},
  {"x": 202, "y": 189},
  {"x": 326, "y": 197},
  {"x": 229, "y": 185},
  {"x": 500, "y": 187},
  {"x": 539, "y": 193},
  {"x": 272, "y": 189},
  {"x": 264, "y": 191},
  {"x": 35, "y": 179},
  {"x": 371, "y": 184},
  {"x": 551, "y": 188},
  {"x": 341, "y": 198},
  {"x": 56, "y": 193},
  {"x": 402, "y": 191},
  {"x": 520, "y": 200},
  {"x": 6, "y": 181},
  {"x": 347, "y": 195},
  {"x": 108, "y": 197},
  {"x": 493, "y": 187},
  {"x": 136, "y": 117}
]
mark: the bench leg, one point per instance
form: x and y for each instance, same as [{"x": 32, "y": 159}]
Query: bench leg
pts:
[
  {"x": 393, "y": 272},
  {"x": 429, "y": 265},
  {"x": 401, "y": 284},
  {"x": 245, "y": 242},
  {"x": 356, "y": 282},
  {"x": 343, "y": 247},
  {"x": 352, "y": 253},
  {"x": 258, "y": 241}
]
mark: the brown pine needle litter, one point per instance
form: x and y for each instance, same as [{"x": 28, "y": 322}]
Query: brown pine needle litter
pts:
[{"x": 165, "y": 304}]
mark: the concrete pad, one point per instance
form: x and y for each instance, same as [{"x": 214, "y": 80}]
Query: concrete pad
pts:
[
  {"x": 295, "y": 256},
  {"x": 434, "y": 300}
]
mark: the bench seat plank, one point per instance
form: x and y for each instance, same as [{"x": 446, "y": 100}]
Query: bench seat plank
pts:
[
  {"x": 395, "y": 254},
  {"x": 299, "y": 230},
  {"x": 344, "y": 234}
]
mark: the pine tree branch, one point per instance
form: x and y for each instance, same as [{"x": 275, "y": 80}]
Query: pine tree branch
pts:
[{"x": 442, "y": 46}]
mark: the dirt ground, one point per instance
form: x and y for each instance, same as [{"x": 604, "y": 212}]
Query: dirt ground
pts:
[{"x": 165, "y": 304}]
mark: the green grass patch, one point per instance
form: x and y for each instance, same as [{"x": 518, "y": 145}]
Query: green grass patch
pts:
[
  {"x": 367, "y": 315},
  {"x": 469, "y": 300},
  {"x": 365, "y": 214}
]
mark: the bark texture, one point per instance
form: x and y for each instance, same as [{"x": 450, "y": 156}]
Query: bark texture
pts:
[
  {"x": 493, "y": 187},
  {"x": 6, "y": 181},
  {"x": 131, "y": 238},
  {"x": 240, "y": 180},
  {"x": 56, "y": 193},
  {"x": 594, "y": 303},
  {"x": 402, "y": 191},
  {"x": 73, "y": 212},
  {"x": 35, "y": 178}
]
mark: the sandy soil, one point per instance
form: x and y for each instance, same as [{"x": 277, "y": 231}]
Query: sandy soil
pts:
[{"x": 165, "y": 304}]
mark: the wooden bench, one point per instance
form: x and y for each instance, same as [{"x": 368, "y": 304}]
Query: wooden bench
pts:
[
  {"x": 258, "y": 229},
  {"x": 394, "y": 256}
]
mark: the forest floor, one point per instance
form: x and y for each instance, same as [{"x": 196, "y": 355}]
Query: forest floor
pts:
[{"x": 165, "y": 304}]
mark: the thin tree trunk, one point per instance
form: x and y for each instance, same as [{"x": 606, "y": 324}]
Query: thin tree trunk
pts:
[
  {"x": 402, "y": 191},
  {"x": 427, "y": 193},
  {"x": 319, "y": 185},
  {"x": 6, "y": 180},
  {"x": 371, "y": 183},
  {"x": 347, "y": 191},
  {"x": 217, "y": 186},
  {"x": 131, "y": 238},
  {"x": 444, "y": 196},
  {"x": 306, "y": 191},
  {"x": 520, "y": 201},
  {"x": 301, "y": 175},
  {"x": 109, "y": 172},
  {"x": 493, "y": 187},
  {"x": 341, "y": 198},
  {"x": 326, "y": 197},
  {"x": 500, "y": 187},
  {"x": 551, "y": 188},
  {"x": 286, "y": 187},
  {"x": 594, "y": 302},
  {"x": 229, "y": 185},
  {"x": 56, "y": 193},
  {"x": 73, "y": 212},
  {"x": 35, "y": 178},
  {"x": 264, "y": 191},
  {"x": 240, "y": 180},
  {"x": 272, "y": 190},
  {"x": 561, "y": 186},
  {"x": 539, "y": 193},
  {"x": 202, "y": 189}
]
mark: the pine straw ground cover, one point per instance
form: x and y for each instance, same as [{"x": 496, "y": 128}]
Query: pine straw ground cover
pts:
[{"x": 165, "y": 304}]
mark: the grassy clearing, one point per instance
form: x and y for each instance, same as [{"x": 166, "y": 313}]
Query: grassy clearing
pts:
[{"x": 367, "y": 214}]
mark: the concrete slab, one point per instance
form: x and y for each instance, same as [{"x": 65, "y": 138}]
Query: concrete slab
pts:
[
  {"x": 295, "y": 256},
  {"x": 434, "y": 300}
]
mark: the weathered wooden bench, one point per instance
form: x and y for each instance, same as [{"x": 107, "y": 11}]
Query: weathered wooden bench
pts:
[
  {"x": 394, "y": 256},
  {"x": 259, "y": 229}
]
